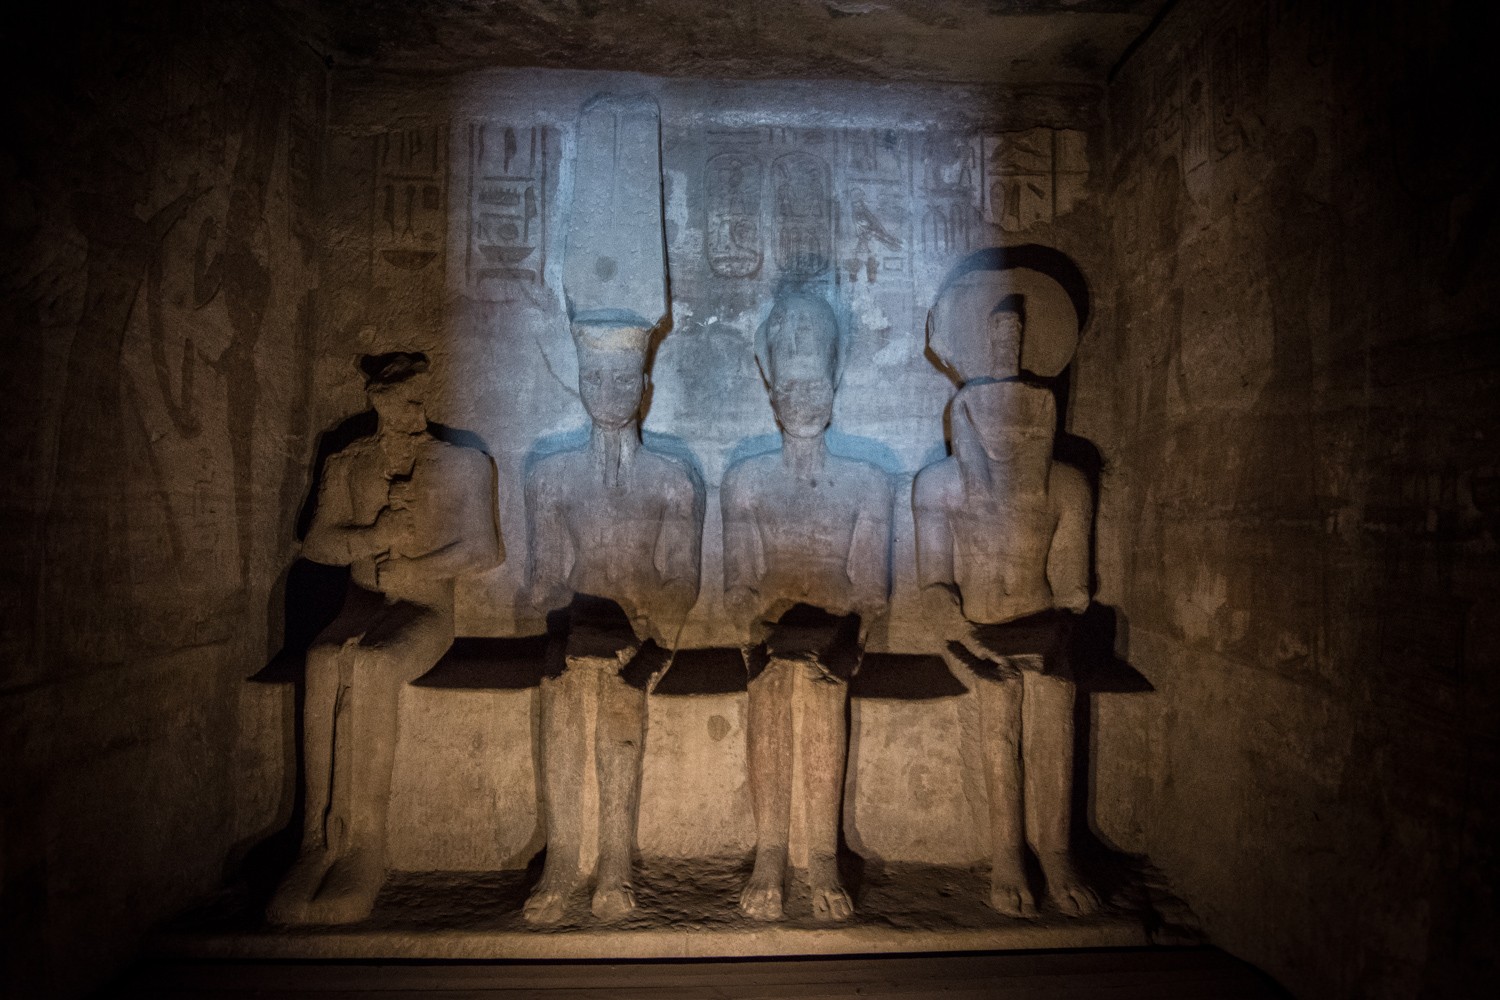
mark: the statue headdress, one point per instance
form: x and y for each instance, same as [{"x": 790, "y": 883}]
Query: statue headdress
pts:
[
  {"x": 1041, "y": 284},
  {"x": 801, "y": 333}
]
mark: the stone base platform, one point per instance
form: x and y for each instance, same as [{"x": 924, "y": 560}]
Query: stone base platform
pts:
[{"x": 686, "y": 910}]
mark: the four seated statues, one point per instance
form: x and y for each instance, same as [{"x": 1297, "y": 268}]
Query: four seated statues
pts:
[{"x": 613, "y": 560}]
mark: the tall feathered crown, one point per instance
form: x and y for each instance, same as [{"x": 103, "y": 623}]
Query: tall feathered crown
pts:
[{"x": 800, "y": 334}]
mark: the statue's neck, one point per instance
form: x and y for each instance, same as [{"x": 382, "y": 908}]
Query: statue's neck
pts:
[
  {"x": 613, "y": 449},
  {"x": 1014, "y": 467},
  {"x": 803, "y": 456}
]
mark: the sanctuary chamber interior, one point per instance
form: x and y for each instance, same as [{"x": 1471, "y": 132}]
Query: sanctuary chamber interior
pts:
[{"x": 835, "y": 436}]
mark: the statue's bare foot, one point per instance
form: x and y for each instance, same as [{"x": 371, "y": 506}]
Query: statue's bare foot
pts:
[
  {"x": 761, "y": 899},
  {"x": 292, "y": 903},
  {"x": 548, "y": 902},
  {"x": 1009, "y": 892},
  {"x": 614, "y": 898},
  {"x": 349, "y": 890},
  {"x": 830, "y": 901},
  {"x": 1066, "y": 889}
]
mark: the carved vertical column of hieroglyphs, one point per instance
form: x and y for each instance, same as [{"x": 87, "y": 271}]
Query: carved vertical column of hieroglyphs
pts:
[
  {"x": 802, "y": 204},
  {"x": 732, "y": 182},
  {"x": 875, "y": 242},
  {"x": 506, "y": 256},
  {"x": 1033, "y": 177},
  {"x": 408, "y": 246},
  {"x": 947, "y": 177}
]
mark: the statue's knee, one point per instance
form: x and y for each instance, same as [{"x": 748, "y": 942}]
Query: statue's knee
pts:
[
  {"x": 772, "y": 672},
  {"x": 323, "y": 665}
]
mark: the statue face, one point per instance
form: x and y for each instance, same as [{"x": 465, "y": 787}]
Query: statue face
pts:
[
  {"x": 1005, "y": 344},
  {"x": 611, "y": 384},
  {"x": 803, "y": 403},
  {"x": 401, "y": 404}
]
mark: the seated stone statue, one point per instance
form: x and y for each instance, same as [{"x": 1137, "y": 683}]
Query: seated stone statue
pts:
[
  {"x": 407, "y": 513},
  {"x": 806, "y": 561},
  {"x": 616, "y": 531},
  {"x": 1002, "y": 555}
]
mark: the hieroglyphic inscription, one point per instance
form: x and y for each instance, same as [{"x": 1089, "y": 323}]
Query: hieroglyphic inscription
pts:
[
  {"x": 950, "y": 181},
  {"x": 875, "y": 182},
  {"x": 733, "y": 183},
  {"x": 804, "y": 216},
  {"x": 508, "y": 208},
  {"x": 1033, "y": 176},
  {"x": 411, "y": 179}
]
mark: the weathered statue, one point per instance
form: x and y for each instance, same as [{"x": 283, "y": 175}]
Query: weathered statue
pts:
[
  {"x": 614, "y": 528},
  {"x": 1002, "y": 555},
  {"x": 807, "y": 540},
  {"x": 407, "y": 513}
]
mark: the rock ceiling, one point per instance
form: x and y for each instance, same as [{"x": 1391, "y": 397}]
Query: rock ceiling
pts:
[{"x": 973, "y": 41}]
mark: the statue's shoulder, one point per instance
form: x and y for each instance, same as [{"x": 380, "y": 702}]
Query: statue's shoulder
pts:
[
  {"x": 673, "y": 470},
  {"x": 559, "y": 463},
  {"x": 1069, "y": 487},
  {"x": 867, "y": 474},
  {"x": 352, "y": 452},
  {"x": 454, "y": 456},
  {"x": 937, "y": 484},
  {"x": 751, "y": 469}
]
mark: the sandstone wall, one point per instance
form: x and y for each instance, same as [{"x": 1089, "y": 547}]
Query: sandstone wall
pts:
[
  {"x": 1295, "y": 392},
  {"x": 448, "y": 206},
  {"x": 158, "y": 257}
]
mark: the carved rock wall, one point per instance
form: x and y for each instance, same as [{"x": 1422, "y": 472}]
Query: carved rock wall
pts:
[
  {"x": 1295, "y": 390},
  {"x": 158, "y": 275},
  {"x": 448, "y": 216},
  {"x": 448, "y": 208}
]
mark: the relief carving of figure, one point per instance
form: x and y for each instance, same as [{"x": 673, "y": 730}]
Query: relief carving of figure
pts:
[
  {"x": 806, "y": 568},
  {"x": 1003, "y": 557},
  {"x": 406, "y": 513},
  {"x": 616, "y": 531}
]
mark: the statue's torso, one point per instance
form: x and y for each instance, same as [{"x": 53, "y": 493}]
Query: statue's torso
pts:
[
  {"x": 431, "y": 472},
  {"x": 1000, "y": 548},
  {"x": 613, "y": 523},
  {"x": 806, "y": 526}
]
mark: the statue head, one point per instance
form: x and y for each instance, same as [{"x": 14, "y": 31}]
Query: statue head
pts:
[
  {"x": 397, "y": 385},
  {"x": 798, "y": 350},
  {"x": 611, "y": 372},
  {"x": 1013, "y": 419}
]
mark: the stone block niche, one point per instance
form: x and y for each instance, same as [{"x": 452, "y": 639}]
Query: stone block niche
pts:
[{"x": 670, "y": 480}]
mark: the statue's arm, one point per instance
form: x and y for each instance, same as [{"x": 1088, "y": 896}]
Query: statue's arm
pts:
[
  {"x": 744, "y": 557},
  {"x": 934, "y": 534},
  {"x": 466, "y": 507},
  {"x": 333, "y": 539},
  {"x": 678, "y": 556},
  {"x": 1068, "y": 557},
  {"x": 869, "y": 564},
  {"x": 549, "y": 558},
  {"x": 932, "y": 497}
]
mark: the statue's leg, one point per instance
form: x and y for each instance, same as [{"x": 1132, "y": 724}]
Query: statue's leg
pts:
[
  {"x": 294, "y": 895},
  {"x": 619, "y": 738},
  {"x": 825, "y": 741},
  {"x": 324, "y": 757},
  {"x": 563, "y": 752},
  {"x": 403, "y": 645},
  {"x": 1000, "y": 735},
  {"x": 769, "y": 763},
  {"x": 1047, "y": 753}
]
